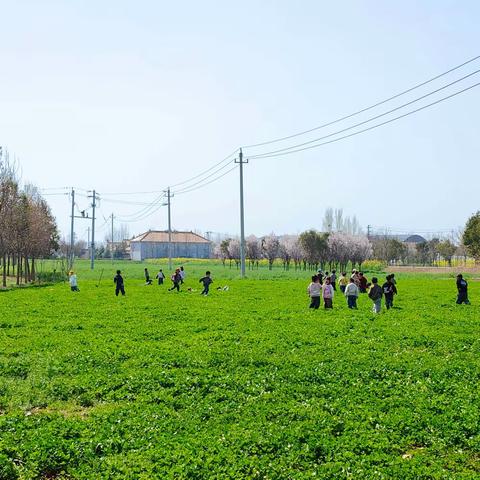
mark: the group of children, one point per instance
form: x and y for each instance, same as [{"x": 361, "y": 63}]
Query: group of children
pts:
[
  {"x": 178, "y": 277},
  {"x": 351, "y": 288},
  {"x": 321, "y": 286}
]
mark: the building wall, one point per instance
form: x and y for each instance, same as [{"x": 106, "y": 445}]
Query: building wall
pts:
[
  {"x": 143, "y": 250},
  {"x": 136, "y": 251}
]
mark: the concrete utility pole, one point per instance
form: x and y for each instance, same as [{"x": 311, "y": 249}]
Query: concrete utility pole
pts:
[
  {"x": 111, "y": 245},
  {"x": 368, "y": 230},
  {"x": 169, "y": 195},
  {"x": 92, "y": 253},
  {"x": 72, "y": 234},
  {"x": 242, "y": 216}
]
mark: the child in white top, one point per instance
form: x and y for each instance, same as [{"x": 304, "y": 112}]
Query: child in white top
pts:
[{"x": 313, "y": 291}]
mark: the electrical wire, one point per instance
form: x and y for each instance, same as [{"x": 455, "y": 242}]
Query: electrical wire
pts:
[
  {"x": 144, "y": 217},
  {"x": 145, "y": 209},
  {"x": 205, "y": 171},
  {"x": 366, "y": 129},
  {"x": 181, "y": 192},
  {"x": 201, "y": 174},
  {"x": 205, "y": 178},
  {"x": 363, "y": 109},
  {"x": 125, "y": 202},
  {"x": 372, "y": 118}
]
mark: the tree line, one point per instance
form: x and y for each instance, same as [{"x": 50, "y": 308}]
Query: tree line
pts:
[
  {"x": 28, "y": 230},
  {"x": 309, "y": 250}
]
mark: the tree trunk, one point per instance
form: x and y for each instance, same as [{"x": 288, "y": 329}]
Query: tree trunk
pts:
[
  {"x": 4, "y": 276},
  {"x": 18, "y": 269}
]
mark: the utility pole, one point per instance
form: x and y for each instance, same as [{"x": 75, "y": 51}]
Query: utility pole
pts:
[
  {"x": 111, "y": 245},
  {"x": 169, "y": 195},
  {"x": 369, "y": 227},
  {"x": 72, "y": 234},
  {"x": 92, "y": 253},
  {"x": 242, "y": 216}
]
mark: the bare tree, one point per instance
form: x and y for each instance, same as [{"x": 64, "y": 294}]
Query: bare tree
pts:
[{"x": 327, "y": 222}]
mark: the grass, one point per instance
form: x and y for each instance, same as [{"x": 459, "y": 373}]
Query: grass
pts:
[{"x": 246, "y": 383}]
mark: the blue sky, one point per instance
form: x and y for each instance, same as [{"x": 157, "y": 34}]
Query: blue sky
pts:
[{"x": 135, "y": 96}]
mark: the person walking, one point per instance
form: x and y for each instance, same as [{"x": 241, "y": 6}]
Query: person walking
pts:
[
  {"x": 351, "y": 293},
  {"x": 182, "y": 275},
  {"x": 375, "y": 294},
  {"x": 176, "y": 279},
  {"x": 333, "y": 279},
  {"x": 362, "y": 282},
  {"x": 389, "y": 290},
  {"x": 462, "y": 287},
  {"x": 160, "y": 277},
  {"x": 313, "y": 291},
  {"x": 72, "y": 280},
  {"x": 119, "y": 284},
  {"x": 343, "y": 282},
  {"x": 207, "y": 281},
  {"x": 328, "y": 293},
  {"x": 148, "y": 280}
]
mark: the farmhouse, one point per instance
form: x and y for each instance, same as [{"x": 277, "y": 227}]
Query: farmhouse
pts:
[{"x": 154, "y": 244}]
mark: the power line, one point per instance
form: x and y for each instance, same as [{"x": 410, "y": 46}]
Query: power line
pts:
[
  {"x": 125, "y": 202},
  {"x": 205, "y": 171},
  {"x": 266, "y": 155},
  {"x": 205, "y": 178},
  {"x": 144, "y": 210},
  {"x": 370, "y": 119},
  {"x": 148, "y": 214},
  {"x": 181, "y": 192},
  {"x": 180, "y": 183},
  {"x": 363, "y": 109}
]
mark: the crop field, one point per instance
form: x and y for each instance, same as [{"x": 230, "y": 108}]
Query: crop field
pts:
[{"x": 245, "y": 383}]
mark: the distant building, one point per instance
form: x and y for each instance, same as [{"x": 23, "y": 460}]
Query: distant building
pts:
[
  {"x": 415, "y": 239},
  {"x": 408, "y": 239},
  {"x": 154, "y": 244}
]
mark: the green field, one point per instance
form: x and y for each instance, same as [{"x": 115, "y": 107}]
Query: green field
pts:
[{"x": 245, "y": 383}]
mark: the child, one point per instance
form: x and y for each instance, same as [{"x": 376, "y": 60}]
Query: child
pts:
[
  {"x": 182, "y": 275},
  {"x": 176, "y": 279},
  {"x": 148, "y": 281},
  {"x": 389, "y": 290},
  {"x": 160, "y": 276},
  {"x": 351, "y": 292},
  {"x": 333, "y": 279},
  {"x": 73, "y": 282},
  {"x": 462, "y": 287},
  {"x": 206, "y": 280},
  {"x": 375, "y": 294},
  {"x": 328, "y": 293},
  {"x": 343, "y": 282},
  {"x": 313, "y": 291},
  {"x": 118, "y": 281},
  {"x": 362, "y": 282}
]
